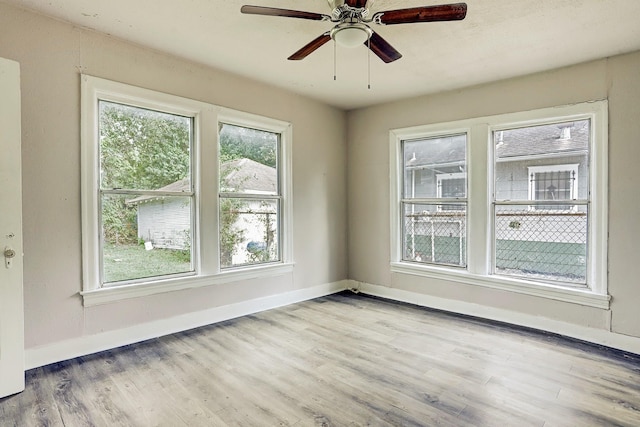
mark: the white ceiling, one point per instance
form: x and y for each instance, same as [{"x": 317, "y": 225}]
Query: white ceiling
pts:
[{"x": 498, "y": 39}]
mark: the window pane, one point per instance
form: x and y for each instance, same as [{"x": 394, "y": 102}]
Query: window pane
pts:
[
  {"x": 248, "y": 160},
  {"x": 248, "y": 231},
  {"x": 145, "y": 236},
  {"x": 434, "y": 167},
  {"x": 547, "y": 162},
  {"x": 542, "y": 244},
  {"x": 435, "y": 233},
  {"x": 143, "y": 149}
]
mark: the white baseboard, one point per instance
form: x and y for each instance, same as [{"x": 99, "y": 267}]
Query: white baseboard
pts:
[
  {"x": 64, "y": 350},
  {"x": 81, "y": 346},
  {"x": 597, "y": 336}
]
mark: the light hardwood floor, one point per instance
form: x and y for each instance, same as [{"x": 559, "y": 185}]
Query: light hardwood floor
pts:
[{"x": 341, "y": 360}]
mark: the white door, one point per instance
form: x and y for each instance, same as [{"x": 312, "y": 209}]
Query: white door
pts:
[{"x": 11, "y": 300}]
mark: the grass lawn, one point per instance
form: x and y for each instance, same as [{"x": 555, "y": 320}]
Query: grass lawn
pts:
[{"x": 127, "y": 262}]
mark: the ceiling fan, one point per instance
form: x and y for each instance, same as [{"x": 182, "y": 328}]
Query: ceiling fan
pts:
[{"x": 352, "y": 23}]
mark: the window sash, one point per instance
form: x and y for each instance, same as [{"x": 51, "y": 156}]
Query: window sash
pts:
[
  {"x": 229, "y": 256},
  {"x": 529, "y": 237},
  {"x": 435, "y": 235},
  {"x": 545, "y": 245},
  {"x": 273, "y": 253}
]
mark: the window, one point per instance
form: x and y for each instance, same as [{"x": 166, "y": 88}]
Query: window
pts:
[
  {"x": 544, "y": 236},
  {"x": 434, "y": 200},
  {"x": 529, "y": 198},
  {"x": 169, "y": 203},
  {"x": 145, "y": 193},
  {"x": 250, "y": 196}
]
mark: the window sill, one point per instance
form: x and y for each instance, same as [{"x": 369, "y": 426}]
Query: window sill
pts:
[
  {"x": 116, "y": 293},
  {"x": 580, "y": 296}
]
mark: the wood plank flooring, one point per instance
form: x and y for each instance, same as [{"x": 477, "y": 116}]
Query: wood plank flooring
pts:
[{"x": 341, "y": 360}]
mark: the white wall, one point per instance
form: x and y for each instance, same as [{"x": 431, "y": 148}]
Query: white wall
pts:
[
  {"x": 52, "y": 55},
  {"x": 368, "y": 153}
]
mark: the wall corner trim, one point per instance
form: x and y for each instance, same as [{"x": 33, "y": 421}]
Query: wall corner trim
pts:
[
  {"x": 596, "y": 336},
  {"x": 89, "y": 344}
]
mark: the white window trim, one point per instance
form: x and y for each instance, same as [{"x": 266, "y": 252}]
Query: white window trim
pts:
[
  {"x": 479, "y": 209},
  {"x": 205, "y": 146}
]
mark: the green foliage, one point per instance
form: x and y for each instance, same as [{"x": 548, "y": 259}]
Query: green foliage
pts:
[
  {"x": 118, "y": 221},
  {"x": 230, "y": 234},
  {"x": 139, "y": 150},
  {"x": 142, "y": 149},
  {"x": 239, "y": 142},
  {"x": 146, "y": 150}
]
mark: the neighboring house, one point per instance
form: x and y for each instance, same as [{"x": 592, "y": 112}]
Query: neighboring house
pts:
[
  {"x": 164, "y": 221},
  {"x": 531, "y": 164},
  {"x": 255, "y": 218}
]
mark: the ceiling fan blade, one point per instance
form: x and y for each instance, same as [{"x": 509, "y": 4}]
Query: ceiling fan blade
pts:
[
  {"x": 444, "y": 12},
  {"x": 287, "y": 13},
  {"x": 310, "y": 47},
  {"x": 356, "y": 3},
  {"x": 382, "y": 48}
]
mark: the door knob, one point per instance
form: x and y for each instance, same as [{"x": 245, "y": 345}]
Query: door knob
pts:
[{"x": 8, "y": 257}]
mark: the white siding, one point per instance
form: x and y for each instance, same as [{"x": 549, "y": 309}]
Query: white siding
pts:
[{"x": 165, "y": 222}]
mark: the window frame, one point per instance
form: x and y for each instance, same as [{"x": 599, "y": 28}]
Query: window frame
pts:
[
  {"x": 176, "y": 110},
  {"x": 204, "y": 164},
  {"x": 437, "y": 200},
  {"x": 257, "y": 124},
  {"x": 480, "y": 247}
]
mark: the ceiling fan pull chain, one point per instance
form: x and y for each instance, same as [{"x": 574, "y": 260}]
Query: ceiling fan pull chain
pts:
[
  {"x": 334, "y": 60},
  {"x": 369, "y": 63}
]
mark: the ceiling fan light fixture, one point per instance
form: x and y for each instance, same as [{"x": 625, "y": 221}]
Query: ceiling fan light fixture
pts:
[{"x": 351, "y": 35}]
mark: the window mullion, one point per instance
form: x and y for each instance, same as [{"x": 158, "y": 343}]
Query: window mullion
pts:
[
  {"x": 207, "y": 183},
  {"x": 478, "y": 244}
]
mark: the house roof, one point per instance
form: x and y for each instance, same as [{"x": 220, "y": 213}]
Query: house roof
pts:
[
  {"x": 243, "y": 176},
  {"x": 512, "y": 144},
  {"x": 182, "y": 185},
  {"x": 553, "y": 138},
  {"x": 246, "y": 175}
]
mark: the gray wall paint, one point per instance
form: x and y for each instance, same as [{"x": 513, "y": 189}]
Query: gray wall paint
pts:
[
  {"x": 368, "y": 135},
  {"x": 52, "y": 55}
]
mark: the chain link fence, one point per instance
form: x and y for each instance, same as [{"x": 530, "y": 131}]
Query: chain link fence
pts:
[
  {"x": 537, "y": 242},
  {"x": 437, "y": 235},
  {"x": 544, "y": 242}
]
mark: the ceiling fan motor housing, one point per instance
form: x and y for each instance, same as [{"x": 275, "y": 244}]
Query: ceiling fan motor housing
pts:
[{"x": 350, "y": 35}]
